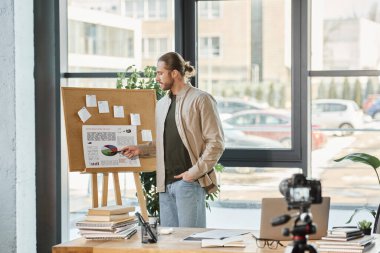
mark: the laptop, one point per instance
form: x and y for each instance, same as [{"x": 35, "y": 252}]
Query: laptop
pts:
[{"x": 274, "y": 207}]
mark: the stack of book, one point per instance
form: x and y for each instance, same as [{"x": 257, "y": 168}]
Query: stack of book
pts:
[
  {"x": 345, "y": 239},
  {"x": 108, "y": 223}
]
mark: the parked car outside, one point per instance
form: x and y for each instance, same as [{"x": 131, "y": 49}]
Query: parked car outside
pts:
[
  {"x": 271, "y": 124},
  {"x": 235, "y": 138},
  {"x": 374, "y": 110},
  {"x": 337, "y": 114},
  {"x": 369, "y": 101},
  {"x": 228, "y": 106}
]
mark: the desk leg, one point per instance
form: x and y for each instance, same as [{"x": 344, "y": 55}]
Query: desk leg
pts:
[
  {"x": 105, "y": 189},
  {"x": 140, "y": 195},
  {"x": 116, "y": 184},
  {"x": 94, "y": 188}
]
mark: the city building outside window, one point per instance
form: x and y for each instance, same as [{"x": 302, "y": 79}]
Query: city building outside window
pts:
[
  {"x": 209, "y": 9},
  {"x": 209, "y": 47},
  {"x": 153, "y": 47},
  {"x": 147, "y": 9}
]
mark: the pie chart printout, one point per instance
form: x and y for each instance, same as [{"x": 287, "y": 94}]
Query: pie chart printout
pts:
[{"x": 109, "y": 150}]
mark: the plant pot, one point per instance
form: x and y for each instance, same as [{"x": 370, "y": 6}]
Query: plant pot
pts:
[{"x": 366, "y": 231}]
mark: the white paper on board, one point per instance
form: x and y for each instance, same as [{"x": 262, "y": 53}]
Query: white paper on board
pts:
[
  {"x": 146, "y": 135},
  {"x": 135, "y": 119},
  {"x": 102, "y": 143},
  {"x": 118, "y": 111},
  {"x": 103, "y": 107},
  {"x": 84, "y": 114},
  {"x": 91, "y": 101}
]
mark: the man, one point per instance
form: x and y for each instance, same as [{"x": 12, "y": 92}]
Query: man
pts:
[{"x": 189, "y": 142}]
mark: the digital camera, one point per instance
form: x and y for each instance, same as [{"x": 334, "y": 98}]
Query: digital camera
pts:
[{"x": 300, "y": 192}]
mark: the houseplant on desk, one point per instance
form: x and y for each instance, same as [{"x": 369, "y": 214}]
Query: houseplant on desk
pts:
[
  {"x": 374, "y": 162},
  {"x": 365, "y": 226}
]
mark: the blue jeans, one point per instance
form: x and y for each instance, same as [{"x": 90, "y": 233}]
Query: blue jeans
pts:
[{"x": 183, "y": 205}]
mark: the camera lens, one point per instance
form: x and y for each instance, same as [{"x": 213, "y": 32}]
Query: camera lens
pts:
[{"x": 283, "y": 187}]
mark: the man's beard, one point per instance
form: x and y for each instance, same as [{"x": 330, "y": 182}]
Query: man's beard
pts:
[{"x": 167, "y": 86}]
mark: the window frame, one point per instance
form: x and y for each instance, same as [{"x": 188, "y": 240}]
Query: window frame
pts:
[
  {"x": 186, "y": 37},
  {"x": 296, "y": 157}
]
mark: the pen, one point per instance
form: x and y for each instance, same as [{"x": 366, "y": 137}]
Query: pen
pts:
[{"x": 131, "y": 234}]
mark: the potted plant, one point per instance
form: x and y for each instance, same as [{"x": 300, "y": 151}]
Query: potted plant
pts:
[
  {"x": 365, "y": 226},
  {"x": 374, "y": 162}
]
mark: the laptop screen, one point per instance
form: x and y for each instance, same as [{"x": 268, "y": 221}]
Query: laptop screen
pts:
[{"x": 275, "y": 207}]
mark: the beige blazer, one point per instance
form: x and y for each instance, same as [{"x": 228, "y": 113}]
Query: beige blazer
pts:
[{"x": 201, "y": 132}]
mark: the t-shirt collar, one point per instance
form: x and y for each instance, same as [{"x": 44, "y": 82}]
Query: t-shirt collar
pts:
[{"x": 182, "y": 92}]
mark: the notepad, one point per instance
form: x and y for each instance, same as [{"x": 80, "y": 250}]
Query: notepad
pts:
[
  {"x": 236, "y": 241},
  {"x": 218, "y": 234}
]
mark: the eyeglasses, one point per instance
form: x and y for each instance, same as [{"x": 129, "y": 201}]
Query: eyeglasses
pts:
[{"x": 270, "y": 243}]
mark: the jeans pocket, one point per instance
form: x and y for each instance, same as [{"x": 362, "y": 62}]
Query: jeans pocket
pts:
[
  {"x": 188, "y": 182},
  {"x": 193, "y": 185}
]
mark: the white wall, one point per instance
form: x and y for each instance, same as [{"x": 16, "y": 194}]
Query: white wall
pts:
[{"x": 17, "y": 135}]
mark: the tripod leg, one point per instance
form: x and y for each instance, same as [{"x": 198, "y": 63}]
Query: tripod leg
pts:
[
  {"x": 303, "y": 248},
  {"x": 311, "y": 249},
  {"x": 297, "y": 249}
]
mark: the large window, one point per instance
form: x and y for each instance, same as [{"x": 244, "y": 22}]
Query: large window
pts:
[
  {"x": 345, "y": 35},
  {"x": 285, "y": 108},
  {"x": 344, "y": 88},
  {"x": 104, "y": 37},
  {"x": 250, "y": 91}
]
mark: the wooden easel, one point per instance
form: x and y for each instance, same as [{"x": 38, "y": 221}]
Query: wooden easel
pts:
[
  {"x": 142, "y": 102},
  {"x": 116, "y": 182}
]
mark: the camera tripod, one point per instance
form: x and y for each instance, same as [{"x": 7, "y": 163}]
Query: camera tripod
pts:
[{"x": 299, "y": 233}]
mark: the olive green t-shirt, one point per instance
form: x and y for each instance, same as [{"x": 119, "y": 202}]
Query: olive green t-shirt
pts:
[{"x": 177, "y": 159}]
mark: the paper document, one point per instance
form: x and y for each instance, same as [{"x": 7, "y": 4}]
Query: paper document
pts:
[
  {"x": 91, "y": 101},
  {"x": 101, "y": 144},
  {"x": 103, "y": 107},
  {"x": 135, "y": 119},
  {"x": 84, "y": 114},
  {"x": 146, "y": 135},
  {"x": 118, "y": 111}
]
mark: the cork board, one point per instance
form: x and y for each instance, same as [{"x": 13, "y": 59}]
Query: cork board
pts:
[{"x": 142, "y": 102}]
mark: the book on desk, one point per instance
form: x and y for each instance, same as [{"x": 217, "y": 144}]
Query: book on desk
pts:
[
  {"x": 345, "y": 243},
  {"x": 108, "y": 223},
  {"x": 110, "y": 210},
  {"x": 344, "y": 232}
]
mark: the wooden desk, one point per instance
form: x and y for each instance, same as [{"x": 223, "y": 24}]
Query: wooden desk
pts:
[{"x": 166, "y": 243}]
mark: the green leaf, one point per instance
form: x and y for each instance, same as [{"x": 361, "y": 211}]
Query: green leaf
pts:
[
  {"x": 364, "y": 224},
  {"x": 373, "y": 161},
  {"x": 129, "y": 68},
  {"x": 219, "y": 167},
  {"x": 362, "y": 158},
  {"x": 119, "y": 84}
]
